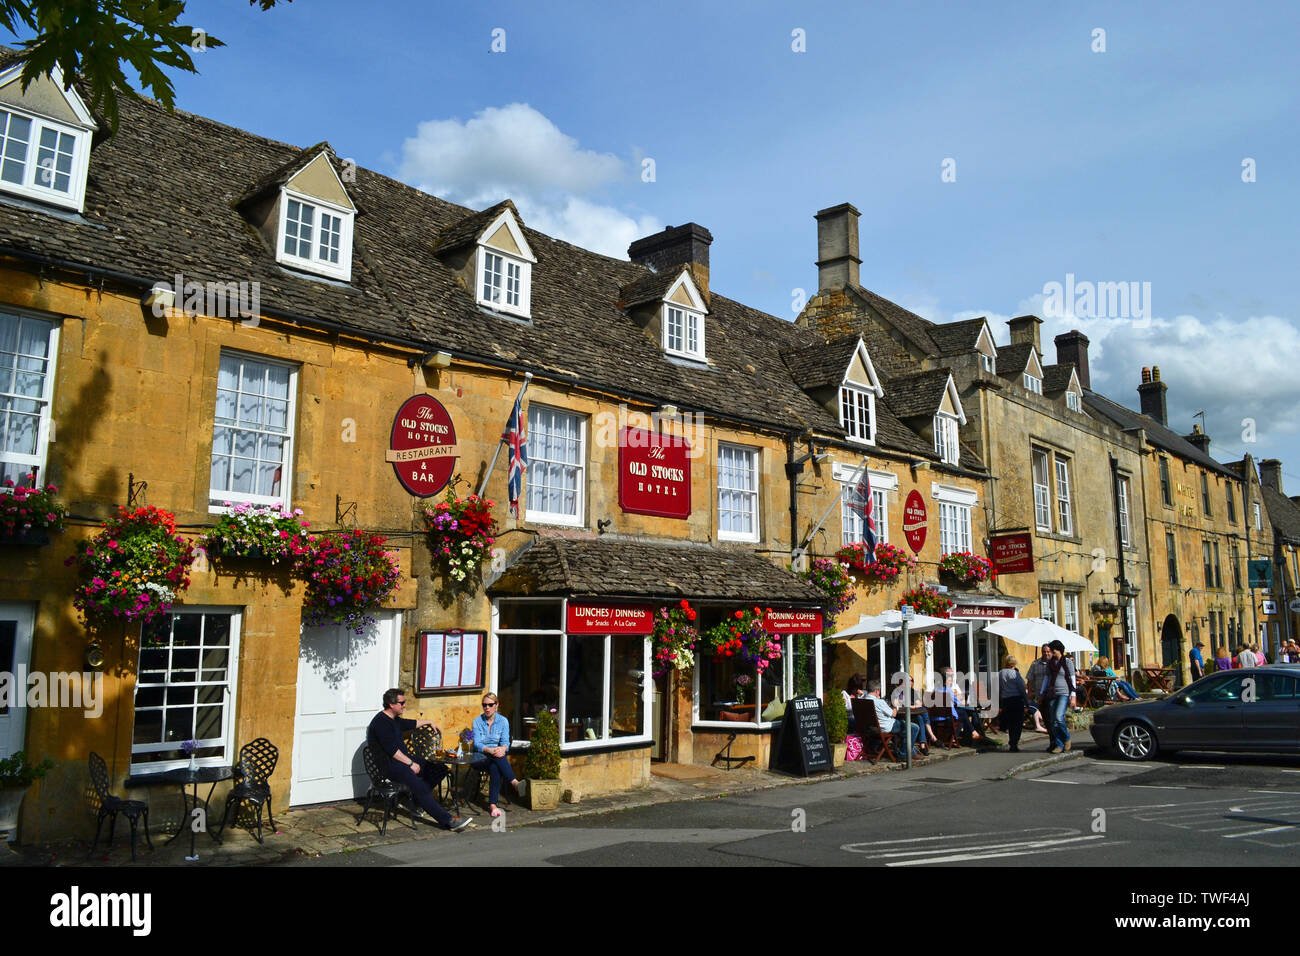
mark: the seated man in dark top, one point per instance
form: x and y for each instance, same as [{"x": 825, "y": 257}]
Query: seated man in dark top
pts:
[{"x": 385, "y": 733}]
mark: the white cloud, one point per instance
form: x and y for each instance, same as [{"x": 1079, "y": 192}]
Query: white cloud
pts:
[{"x": 516, "y": 152}]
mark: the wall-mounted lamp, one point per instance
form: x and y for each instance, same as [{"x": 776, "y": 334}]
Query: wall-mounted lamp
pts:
[{"x": 436, "y": 360}]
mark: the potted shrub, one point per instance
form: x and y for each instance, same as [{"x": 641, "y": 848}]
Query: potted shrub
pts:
[
  {"x": 837, "y": 725},
  {"x": 133, "y": 570},
  {"x": 542, "y": 765},
  {"x": 258, "y": 532},
  {"x": 29, "y": 514},
  {"x": 16, "y": 777}
]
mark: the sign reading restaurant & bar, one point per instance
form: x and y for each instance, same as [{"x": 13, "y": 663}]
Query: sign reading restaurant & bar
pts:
[
  {"x": 609, "y": 619},
  {"x": 654, "y": 473},
  {"x": 422, "y": 446}
]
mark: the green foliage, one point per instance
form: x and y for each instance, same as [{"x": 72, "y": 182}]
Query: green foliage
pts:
[
  {"x": 837, "y": 717},
  {"x": 95, "y": 38},
  {"x": 543, "y": 760},
  {"x": 16, "y": 771}
]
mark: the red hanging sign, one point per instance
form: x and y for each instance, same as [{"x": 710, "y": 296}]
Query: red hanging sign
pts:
[
  {"x": 654, "y": 474},
  {"x": 914, "y": 521},
  {"x": 1012, "y": 553},
  {"x": 609, "y": 619},
  {"x": 422, "y": 446},
  {"x": 793, "y": 621}
]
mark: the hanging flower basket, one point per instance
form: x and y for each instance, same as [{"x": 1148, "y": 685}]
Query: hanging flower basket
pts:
[
  {"x": 133, "y": 570},
  {"x": 966, "y": 568},
  {"x": 349, "y": 576},
  {"x": 742, "y": 636},
  {"x": 258, "y": 533},
  {"x": 888, "y": 566},
  {"x": 28, "y": 514},
  {"x": 926, "y": 600},
  {"x": 674, "y": 638},
  {"x": 832, "y": 578},
  {"x": 461, "y": 534}
]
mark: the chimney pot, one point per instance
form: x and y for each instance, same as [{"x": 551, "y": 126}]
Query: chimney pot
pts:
[
  {"x": 684, "y": 245},
  {"x": 1146, "y": 374}
]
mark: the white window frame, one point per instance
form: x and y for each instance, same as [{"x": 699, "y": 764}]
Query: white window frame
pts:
[
  {"x": 341, "y": 270},
  {"x": 1070, "y": 611},
  {"x": 1049, "y": 606},
  {"x": 1033, "y": 384},
  {"x": 945, "y": 438},
  {"x": 216, "y": 496},
  {"x": 228, "y": 701},
  {"x": 954, "y": 517},
  {"x": 1124, "y": 530},
  {"x": 692, "y": 325},
  {"x": 567, "y": 747},
  {"x": 535, "y": 460},
  {"x": 1072, "y": 401},
  {"x": 1064, "y": 511},
  {"x": 46, "y": 400},
  {"x": 31, "y": 187},
  {"x": 1255, "y": 505},
  {"x": 500, "y": 302},
  {"x": 1043, "y": 488},
  {"x": 988, "y": 362},
  {"x": 786, "y": 690},
  {"x": 751, "y": 494},
  {"x": 854, "y": 402}
]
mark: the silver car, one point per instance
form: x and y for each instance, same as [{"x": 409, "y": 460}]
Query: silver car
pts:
[{"x": 1251, "y": 710}]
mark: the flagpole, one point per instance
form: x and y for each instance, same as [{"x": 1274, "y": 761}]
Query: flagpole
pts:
[
  {"x": 853, "y": 482},
  {"x": 528, "y": 377}
]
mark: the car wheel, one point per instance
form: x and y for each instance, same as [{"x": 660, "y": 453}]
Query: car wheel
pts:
[{"x": 1135, "y": 741}]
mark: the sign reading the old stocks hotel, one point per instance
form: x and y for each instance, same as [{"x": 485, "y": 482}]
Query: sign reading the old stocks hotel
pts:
[
  {"x": 422, "y": 447},
  {"x": 914, "y": 518},
  {"x": 654, "y": 474},
  {"x": 1012, "y": 553}
]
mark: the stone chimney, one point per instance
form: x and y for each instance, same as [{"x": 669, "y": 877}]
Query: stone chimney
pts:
[
  {"x": 1270, "y": 474},
  {"x": 1199, "y": 439},
  {"x": 1152, "y": 393},
  {"x": 1072, "y": 349},
  {"x": 684, "y": 245},
  {"x": 837, "y": 247},
  {"x": 1024, "y": 328}
]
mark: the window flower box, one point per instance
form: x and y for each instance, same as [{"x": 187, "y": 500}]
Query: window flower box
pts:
[
  {"x": 28, "y": 514},
  {"x": 265, "y": 533}
]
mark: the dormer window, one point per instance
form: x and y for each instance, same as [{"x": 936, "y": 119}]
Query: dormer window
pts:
[
  {"x": 683, "y": 332},
  {"x": 945, "y": 439},
  {"x": 315, "y": 236},
  {"x": 1033, "y": 384},
  {"x": 1072, "y": 401},
  {"x": 43, "y": 160},
  {"x": 504, "y": 273},
  {"x": 858, "y": 413}
]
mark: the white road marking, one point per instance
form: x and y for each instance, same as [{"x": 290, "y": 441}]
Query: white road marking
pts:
[
  {"x": 922, "y": 851},
  {"x": 1148, "y": 786},
  {"x": 1050, "y": 780},
  {"x": 1248, "y": 833},
  {"x": 1016, "y": 849}
]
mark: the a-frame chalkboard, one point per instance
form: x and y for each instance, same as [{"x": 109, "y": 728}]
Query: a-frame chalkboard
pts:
[{"x": 802, "y": 744}]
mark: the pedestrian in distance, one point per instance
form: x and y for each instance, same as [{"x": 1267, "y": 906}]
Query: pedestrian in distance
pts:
[
  {"x": 1033, "y": 682},
  {"x": 1222, "y": 661},
  {"x": 1057, "y": 695},
  {"x": 1014, "y": 696},
  {"x": 1197, "y": 662}
]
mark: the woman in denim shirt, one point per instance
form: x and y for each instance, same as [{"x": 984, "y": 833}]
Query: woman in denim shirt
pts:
[{"x": 492, "y": 740}]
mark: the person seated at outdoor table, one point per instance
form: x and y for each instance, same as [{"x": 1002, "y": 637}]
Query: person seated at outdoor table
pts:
[
  {"x": 853, "y": 689},
  {"x": 886, "y": 713},
  {"x": 1104, "y": 669},
  {"x": 492, "y": 740},
  {"x": 920, "y": 716},
  {"x": 967, "y": 717},
  {"x": 385, "y": 732}
]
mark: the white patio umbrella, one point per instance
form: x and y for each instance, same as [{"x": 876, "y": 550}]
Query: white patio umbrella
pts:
[
  {"x": 887, "y": 624},
  {"x": 1037, "y": 631}
]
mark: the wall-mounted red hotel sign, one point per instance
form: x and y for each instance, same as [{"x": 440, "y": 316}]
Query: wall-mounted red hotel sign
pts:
[
  {"x": 981, "y": 610},
  {"x": 654, "y": 473},
  {"x": 1012, "y": 553},
  {"x": 914, "y": 521},
  {"x": 609, "y": 619},
  {"x": 422, "y": 446},
  {"x": 783, "y": 621}
]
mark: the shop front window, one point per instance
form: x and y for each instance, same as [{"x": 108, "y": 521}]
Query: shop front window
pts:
[
  {"x": 730, "y": 691},
  {"x": 595, "y": 683}
]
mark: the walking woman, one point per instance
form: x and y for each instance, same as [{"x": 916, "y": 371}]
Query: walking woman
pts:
[
  {"x": 492, "y": 739},
  {"x": 1058, "y": 695},
  {"x": 1013, "y": 694}
]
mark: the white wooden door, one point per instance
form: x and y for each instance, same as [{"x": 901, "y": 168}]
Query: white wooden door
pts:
[
  {"x": 342, "y": 676},
  {"x": 16, "y": 622}
]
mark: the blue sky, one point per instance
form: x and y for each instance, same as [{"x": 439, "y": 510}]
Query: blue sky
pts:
[{"x": 1122, "y": 165}]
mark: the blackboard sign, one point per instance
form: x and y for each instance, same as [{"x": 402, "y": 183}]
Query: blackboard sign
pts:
[{"x": 802, "y": 745}]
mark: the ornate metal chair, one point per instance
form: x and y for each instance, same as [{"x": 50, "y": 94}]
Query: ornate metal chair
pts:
[
  {"x": 110, "y": 806},
  {"x": 257, "y": 761},
  {"x": 382, "y": 788}
]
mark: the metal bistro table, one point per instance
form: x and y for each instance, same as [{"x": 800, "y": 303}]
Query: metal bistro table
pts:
[
  {"x": 457, "y": 768},
  {"x": 192, "y": 778}
]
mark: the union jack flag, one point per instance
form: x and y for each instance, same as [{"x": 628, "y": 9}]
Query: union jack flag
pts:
[
  {"x": 516, "y": 437},
  {"x": 865, "y": 506}
]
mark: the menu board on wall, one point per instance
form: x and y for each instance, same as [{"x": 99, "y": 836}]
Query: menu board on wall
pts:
[{"x": 450, "y": 660}]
